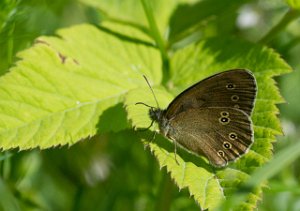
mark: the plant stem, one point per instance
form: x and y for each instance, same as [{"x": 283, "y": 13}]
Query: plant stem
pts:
[
  {"x": 158, "y": 38},
  {"x": 287, "y": 18}
]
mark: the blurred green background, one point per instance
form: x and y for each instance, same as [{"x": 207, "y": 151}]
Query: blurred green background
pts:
[{"x": 113, "y": 171}]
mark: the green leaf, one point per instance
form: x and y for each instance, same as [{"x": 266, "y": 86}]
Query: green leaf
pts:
[
  {"x": 57, "y": 92},
  {"x": 197, "y": 175},
  {"x": 190, "y": 65}
]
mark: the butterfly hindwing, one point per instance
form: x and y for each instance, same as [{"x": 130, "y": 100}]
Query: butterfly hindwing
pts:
[{"x": 220, "y": 134}]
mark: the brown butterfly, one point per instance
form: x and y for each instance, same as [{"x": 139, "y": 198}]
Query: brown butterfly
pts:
[{"x": 212, "y": 117}]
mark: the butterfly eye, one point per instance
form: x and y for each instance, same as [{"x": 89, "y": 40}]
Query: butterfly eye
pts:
[
  {"x": 234, "y": 98},
  {"x": 224, "y": 120},
  {"x": 232, "y": 136},
  {"x": 221, "y": 153},
  {"x": 230, "y": 86},
  {"x": 226, "y": 145}
]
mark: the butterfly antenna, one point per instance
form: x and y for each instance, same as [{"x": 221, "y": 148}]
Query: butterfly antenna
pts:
[
  {"x": 151, "y": 90},
  {"x": 141, "y": 103}
]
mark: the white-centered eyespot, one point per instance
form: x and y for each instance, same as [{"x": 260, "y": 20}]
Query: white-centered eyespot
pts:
[
  {"x": 226, "y": 145},
  {"x": 232, "y": 136},
  {"x": 224, "y": 120},
  {"x": 230, "y": 86}
]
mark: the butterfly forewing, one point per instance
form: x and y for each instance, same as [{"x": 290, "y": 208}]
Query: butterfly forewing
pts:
[{"x": 233, "y": 88}]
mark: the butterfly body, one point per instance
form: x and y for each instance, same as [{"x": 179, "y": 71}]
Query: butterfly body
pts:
[{"x": 212, "y": 117}]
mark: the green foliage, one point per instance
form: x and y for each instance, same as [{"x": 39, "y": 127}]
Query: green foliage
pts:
[{"x": 85, "y": 81}]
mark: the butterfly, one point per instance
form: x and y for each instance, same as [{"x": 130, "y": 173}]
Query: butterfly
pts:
[{"x": 212, "y": 117}]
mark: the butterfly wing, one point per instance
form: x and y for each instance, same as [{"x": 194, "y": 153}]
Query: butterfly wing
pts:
[
  {"x": 234, "y": 89},
  {"x": 220, "y": 134}
]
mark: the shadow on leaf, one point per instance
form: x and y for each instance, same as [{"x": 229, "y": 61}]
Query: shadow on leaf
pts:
[
  {"x": 184, "y": 154},
  {"x": 113, "y": 119}
]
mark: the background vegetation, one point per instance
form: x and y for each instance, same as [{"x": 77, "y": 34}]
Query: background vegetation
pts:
[{"x": 111, "y": 170}]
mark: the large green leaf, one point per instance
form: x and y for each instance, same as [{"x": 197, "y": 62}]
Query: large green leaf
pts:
[
  {"x": 57, "y": 92},
  {"x": 191, "y": 64}
]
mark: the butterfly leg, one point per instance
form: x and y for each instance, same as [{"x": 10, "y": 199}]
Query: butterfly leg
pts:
[
  {"x": 175, "y": 151},
  {"x": 153, "y": 138},
  {"x": 147, "y": 128}
]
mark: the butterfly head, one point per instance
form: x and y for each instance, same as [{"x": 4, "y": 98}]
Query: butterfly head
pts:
[{"x": 156, "y": 114}]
